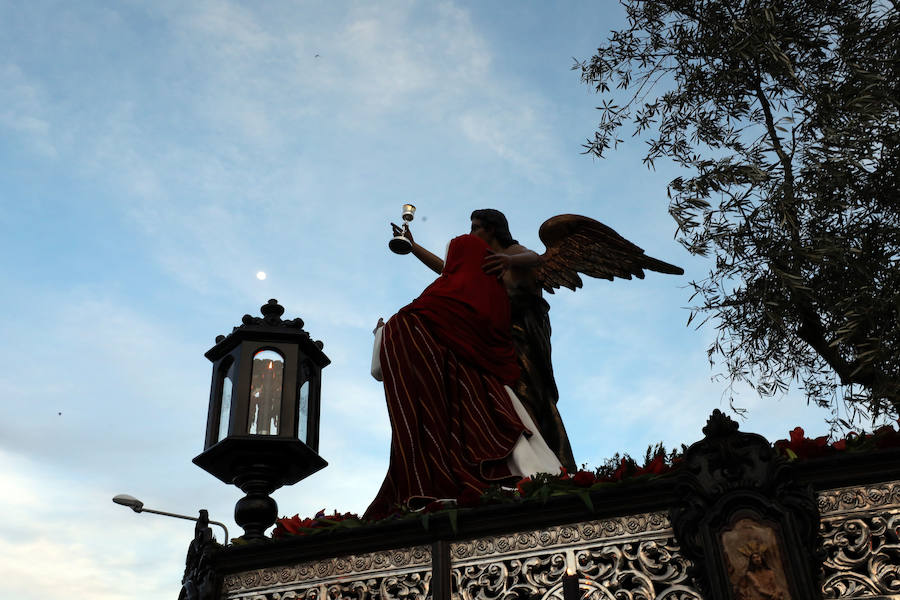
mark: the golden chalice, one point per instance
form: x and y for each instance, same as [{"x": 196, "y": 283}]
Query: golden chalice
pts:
[{"x": 400, "y": 244}]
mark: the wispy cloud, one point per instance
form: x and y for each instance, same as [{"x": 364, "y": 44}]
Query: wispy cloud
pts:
[
  {"x": 23, "y": 110},
  {"x": 51, "y": 540}
]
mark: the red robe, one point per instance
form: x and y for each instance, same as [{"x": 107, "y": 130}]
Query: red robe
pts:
[{"x": 445, "y": 358}]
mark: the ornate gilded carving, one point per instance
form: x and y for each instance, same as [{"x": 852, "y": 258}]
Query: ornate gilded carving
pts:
[
  {"x": 403, "y": 571},
  {"x": 626, "y": 558},
  {"x": 637, "y": 570},
  {"x": 408, "y": 586},
  {"x": 632, "y": 557},
  {"x": 859, "y": 498},
  {"x": 860, "y": 530},
  {"x": 563, "y": 535},
  {"x": 730, "y": 476}
]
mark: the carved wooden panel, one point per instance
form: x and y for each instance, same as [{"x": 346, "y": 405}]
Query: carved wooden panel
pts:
[
  {"x": 860, "y": 527},
  {"x": 404, "y": 573},
  {"x": 633, "y": 558}
]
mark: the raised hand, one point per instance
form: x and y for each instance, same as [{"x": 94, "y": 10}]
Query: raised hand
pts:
[
  {"x": 495, "y": 264},
  {"x": 404, "y": 231}
]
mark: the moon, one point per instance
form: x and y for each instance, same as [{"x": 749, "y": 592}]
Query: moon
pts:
[{"x": 261, "y": 275}]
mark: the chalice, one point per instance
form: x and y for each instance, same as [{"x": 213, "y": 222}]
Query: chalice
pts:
[{"x": 400, "y": 244}]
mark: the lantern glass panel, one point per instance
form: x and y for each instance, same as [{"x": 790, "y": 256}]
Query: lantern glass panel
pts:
[
  {"x": 303, "y": 401},
  {"x": 227, "y": 388},
  {"x": 303, "y": 411},
  {"x": 265, "y": 393},
  {"x": 303, "y": 381}
]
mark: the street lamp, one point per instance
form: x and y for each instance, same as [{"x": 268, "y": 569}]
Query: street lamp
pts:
[
  {"x": 262, "y": 429},
  {"x": 138, "y": 507}
]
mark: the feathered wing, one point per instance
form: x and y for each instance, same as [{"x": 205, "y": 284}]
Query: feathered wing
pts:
[{"x": 577, "y": 244}]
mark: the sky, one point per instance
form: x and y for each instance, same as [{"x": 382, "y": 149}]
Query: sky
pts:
[{"x": 154, "y": 156}]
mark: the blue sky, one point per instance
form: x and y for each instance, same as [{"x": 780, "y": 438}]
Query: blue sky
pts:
[{"x": 155, "y": 155}]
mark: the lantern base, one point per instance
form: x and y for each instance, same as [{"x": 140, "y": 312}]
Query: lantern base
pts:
[
  {"x": 259, "y": 465},
  {"x": 286, "y": 460},
  {"x": 256, "y": 511}
]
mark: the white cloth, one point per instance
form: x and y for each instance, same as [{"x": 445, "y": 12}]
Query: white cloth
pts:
[
  {"x": 531, "y": 454},
  {"x": 376, "y": 355}
]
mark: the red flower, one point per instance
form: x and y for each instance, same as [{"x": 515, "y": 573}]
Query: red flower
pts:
[
  {"x": 801, "y": 446},
  {"x": 840, "y": 444},
  {"x": 622, "y": 471},
  {"x": 291, "y": 526},
  {"x": 583, "y": 479},
  {"x": 522, "y": 485},
  {"x": 563, "y": 474},
  {"x": 657, "y": 466}
]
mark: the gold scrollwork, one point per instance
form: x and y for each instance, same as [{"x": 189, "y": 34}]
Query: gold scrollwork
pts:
[
  {"x": 859, "y": 532},
  {"x": 643, "y": 569}
]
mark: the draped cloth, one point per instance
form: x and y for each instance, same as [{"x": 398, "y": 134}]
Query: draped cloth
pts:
[
  {"x": 468, "y": 310},
  {"x": 536, "y": 387},
  {"x": 445, "y": 359}
]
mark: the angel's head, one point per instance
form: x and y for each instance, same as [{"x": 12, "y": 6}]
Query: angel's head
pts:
[{"x": 490, "y": 224}]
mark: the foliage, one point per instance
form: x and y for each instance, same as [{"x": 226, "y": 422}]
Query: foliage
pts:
[
  {"x": 286, "y": 526},
  {"x": 614, "y": 471},
  {"x": 801, "y": 447},
  {"x": 538, "y": 488},
  {"x": 784, "y": 116}
]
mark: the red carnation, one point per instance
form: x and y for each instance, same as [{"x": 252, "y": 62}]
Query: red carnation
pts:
[
  {"x": 622, "y": 471},
  {"x": 289, "y": 526},
  {"x": 583, "y": 479},
  {"x": 657, "y": 466},
  {"x": 522, "y": 483}
]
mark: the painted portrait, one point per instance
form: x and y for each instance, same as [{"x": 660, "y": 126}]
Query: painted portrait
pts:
[{"x": 754, "y": 561}]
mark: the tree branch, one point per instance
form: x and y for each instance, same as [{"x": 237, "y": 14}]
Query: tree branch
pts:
[{"x": 783, "y": 158}]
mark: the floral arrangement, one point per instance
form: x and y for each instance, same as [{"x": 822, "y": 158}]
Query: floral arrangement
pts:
[
  {"x": 540, "y": 487},
  {"x": 801, "y": 447},
  {"x": 286, "y": 526},
  {"x": 616, "y": 470}
]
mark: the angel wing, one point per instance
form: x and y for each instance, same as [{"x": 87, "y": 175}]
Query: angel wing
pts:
[{"x": 577, "y": 244}]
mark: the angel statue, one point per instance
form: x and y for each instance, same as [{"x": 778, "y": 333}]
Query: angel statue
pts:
[{"x": 575, "y": 244}]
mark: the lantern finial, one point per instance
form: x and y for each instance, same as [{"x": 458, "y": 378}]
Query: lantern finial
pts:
[{"x": 272, "y": 311}]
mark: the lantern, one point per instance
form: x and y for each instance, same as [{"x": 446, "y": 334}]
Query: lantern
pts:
[{"x": 262, "y": 429}]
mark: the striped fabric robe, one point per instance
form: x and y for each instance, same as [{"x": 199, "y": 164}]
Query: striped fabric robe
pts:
[{"x": 445, "y": 359}]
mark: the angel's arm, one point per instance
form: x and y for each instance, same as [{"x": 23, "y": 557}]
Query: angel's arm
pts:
[
  {"x": 515, "y": 256},
  {"x": 432, "y": 261}
]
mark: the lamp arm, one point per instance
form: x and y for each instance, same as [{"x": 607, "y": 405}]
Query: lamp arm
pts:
[{"x": 187, "y": 518}]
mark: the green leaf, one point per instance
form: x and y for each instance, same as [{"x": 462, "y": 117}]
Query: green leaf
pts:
[{"x": 586, "y": 498}]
